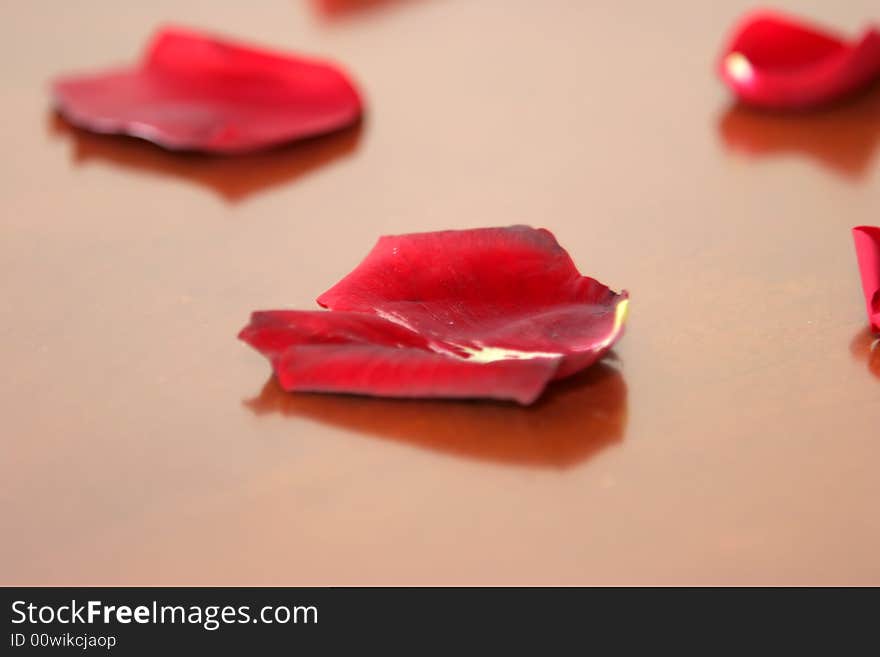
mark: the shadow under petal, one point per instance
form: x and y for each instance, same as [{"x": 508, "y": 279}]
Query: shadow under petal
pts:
[
  {"x": 841, "y": 138},
  {"x": 577, "y": 418},
  {"x": 865, "y": 346},
  {"x": 233, "y": 177}
]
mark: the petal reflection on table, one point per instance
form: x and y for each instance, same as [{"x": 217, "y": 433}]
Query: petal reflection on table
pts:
[
  {"x": 233, "y": 177},
  {"x": 334, "y": 9},
  {"x": 576, "y": 418},
  {"x": 841, "y": 138},
  {"x": 866, "y": 347}
]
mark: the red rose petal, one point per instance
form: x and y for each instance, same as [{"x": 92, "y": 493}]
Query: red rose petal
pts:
[
  {"x": 780, "y": 63},
  {"x": 867, "y": 239},
  {"x": 196, "y": 92},
  {"x": 495, "y": 312},
  {"x": 272, "y": 332},
  {"x": 486, "y": 291},
  {"x": 395, "y": 372}
]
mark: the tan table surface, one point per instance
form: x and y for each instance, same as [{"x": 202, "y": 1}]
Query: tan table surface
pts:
[{"x": 734, "y": 440}]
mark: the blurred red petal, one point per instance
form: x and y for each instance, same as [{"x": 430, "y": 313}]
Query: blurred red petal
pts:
[
  {"x": 867, "y": 239},
  {"x": 778, "y": 62},
  {"x": 197, "y": 92},
  {"x": 493, "y": 312}
]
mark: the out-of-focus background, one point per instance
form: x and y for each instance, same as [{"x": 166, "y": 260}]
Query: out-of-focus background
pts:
[{"x": 733, "y": 439}]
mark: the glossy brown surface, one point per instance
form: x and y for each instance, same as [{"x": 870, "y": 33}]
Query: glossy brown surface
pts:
[{"x": 734, "y": 440}]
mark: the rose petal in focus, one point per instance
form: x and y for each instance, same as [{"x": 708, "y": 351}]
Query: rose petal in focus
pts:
[
  {"x": 494, "y": 312},
  {"x": 319, "y": 351},
  {"x": 396, "y": 372},
  {"x": 489, "y": 293}
]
